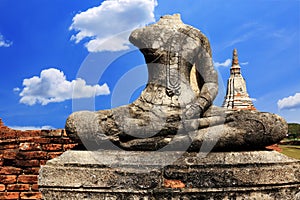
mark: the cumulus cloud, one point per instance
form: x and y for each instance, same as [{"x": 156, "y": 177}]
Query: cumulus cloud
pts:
[
  {"x": 107, "y": 27},
  {"x": 289, "y": 102},
  {"x": 52, "y": 86},
  {"x": 226, "y": 63},
  {"x": 3, "y": 42}
]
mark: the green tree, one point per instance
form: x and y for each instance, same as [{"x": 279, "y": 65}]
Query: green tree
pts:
[{"x": 294, "y": 131}]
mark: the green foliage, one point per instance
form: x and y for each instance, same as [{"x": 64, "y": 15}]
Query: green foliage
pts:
[{"x": 294, "y": 131}]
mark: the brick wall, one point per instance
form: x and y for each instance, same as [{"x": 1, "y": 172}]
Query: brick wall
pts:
[{"x": 21, "y": 155}]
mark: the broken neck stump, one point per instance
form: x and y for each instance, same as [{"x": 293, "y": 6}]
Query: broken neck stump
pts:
[{"x": 150, "y": 148}]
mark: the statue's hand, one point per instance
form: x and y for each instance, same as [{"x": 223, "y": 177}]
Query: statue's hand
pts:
[{"x": 192, "y": 111}]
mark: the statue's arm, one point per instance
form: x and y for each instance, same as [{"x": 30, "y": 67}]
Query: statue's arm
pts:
[{"x": 209, "y": 76}]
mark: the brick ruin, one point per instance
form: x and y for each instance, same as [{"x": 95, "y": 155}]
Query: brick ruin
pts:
[{"x": 21, "y": 155}]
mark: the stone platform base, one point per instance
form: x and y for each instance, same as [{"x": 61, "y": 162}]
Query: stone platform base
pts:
[{"x": 114, "y": 175}]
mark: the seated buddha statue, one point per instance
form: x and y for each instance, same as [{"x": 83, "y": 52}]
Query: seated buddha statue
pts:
[{"x": 171, "y": 114}]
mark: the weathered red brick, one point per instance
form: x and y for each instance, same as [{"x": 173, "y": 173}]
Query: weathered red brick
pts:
[
  {"x": 35, "y": 140},
  {"x": 43, "y": 162},
  {"x": 28, "y": 179},
  {"x": 10, "y": 170},
  {"x": 64, "y": 133},
  {"x": 8, "y": 179},
  {"x": 18, "y": 187},
  {"x": 2, "y": 187},
  {"x": 30, "y": 146},
  {"x": 52, "y": 155},
  {"x": 35, "y": 187},
  {"x": 30, "y": 133},
  {"x": 52, "y": 147},
  {"x": 30, "y": 195},
  {"x": 7, "y": 141},
  {"x": 1, "y": 159},
  {"x": 9, "y": 134},
  {"x": 52, "y": 133},
  {"x": 32, "y": 170},
  {"x": 8, "y": 146},
  {"x": 32, "y": 155},
  {"x": 9, "y": 195},
  {"x": 27, "y": 163},
  {"x": 10, "y": 154},
  {"x": 174, "y": 184},
  {"x": 69, "y": 146},
  {"x": 61, "y": 141}
]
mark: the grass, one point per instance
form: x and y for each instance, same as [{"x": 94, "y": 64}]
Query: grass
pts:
[
  {"x": 289, "y": 140},
  {"x": 292, "y": 151}
]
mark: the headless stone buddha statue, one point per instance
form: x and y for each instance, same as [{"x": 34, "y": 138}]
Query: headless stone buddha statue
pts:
[{"x": 171, "y": 113}]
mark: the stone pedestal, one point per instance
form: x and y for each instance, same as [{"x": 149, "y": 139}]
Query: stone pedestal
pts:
[{"x": 170, "y": 175}]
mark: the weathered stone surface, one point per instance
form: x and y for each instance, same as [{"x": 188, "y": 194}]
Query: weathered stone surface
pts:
[
  {"x": 144, "y": 175},
  {"x": 171, "y": 112}
]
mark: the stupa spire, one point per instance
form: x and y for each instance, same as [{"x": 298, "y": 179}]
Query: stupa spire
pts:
[
  {"x": 235, "y": 67},
  {"x": 237, "y": 97},
  {"x": 235, "y": 59}
]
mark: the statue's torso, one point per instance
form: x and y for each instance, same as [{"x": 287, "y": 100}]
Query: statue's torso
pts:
[{"x": 169, "y": 52}]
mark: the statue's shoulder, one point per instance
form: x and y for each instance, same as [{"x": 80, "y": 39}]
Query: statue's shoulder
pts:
[
  {"x": 197, "y": 35},
  {"x": 142, "y": 37}
]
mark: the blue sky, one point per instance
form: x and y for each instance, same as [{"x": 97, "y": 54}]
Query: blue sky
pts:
[{"x": 50, "y": 47}]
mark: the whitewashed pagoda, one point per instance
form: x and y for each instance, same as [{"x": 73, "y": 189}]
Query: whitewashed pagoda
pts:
[{"x": 237, "y": 97}]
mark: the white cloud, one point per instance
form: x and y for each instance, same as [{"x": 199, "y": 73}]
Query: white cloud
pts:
[
  {"x": 253, "y": 99},
  {"x": 16, "y": 89},
  {"x": 52, "y": 86},
  {"x": 289, "y": 102},
  {"x": 244, "y": 63},
  {"x": 3, "y": 42},
  {"x": 25, "y": 128},
  {"x": 226, "y": 63},
  {"x": 108, "y": 26}
]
